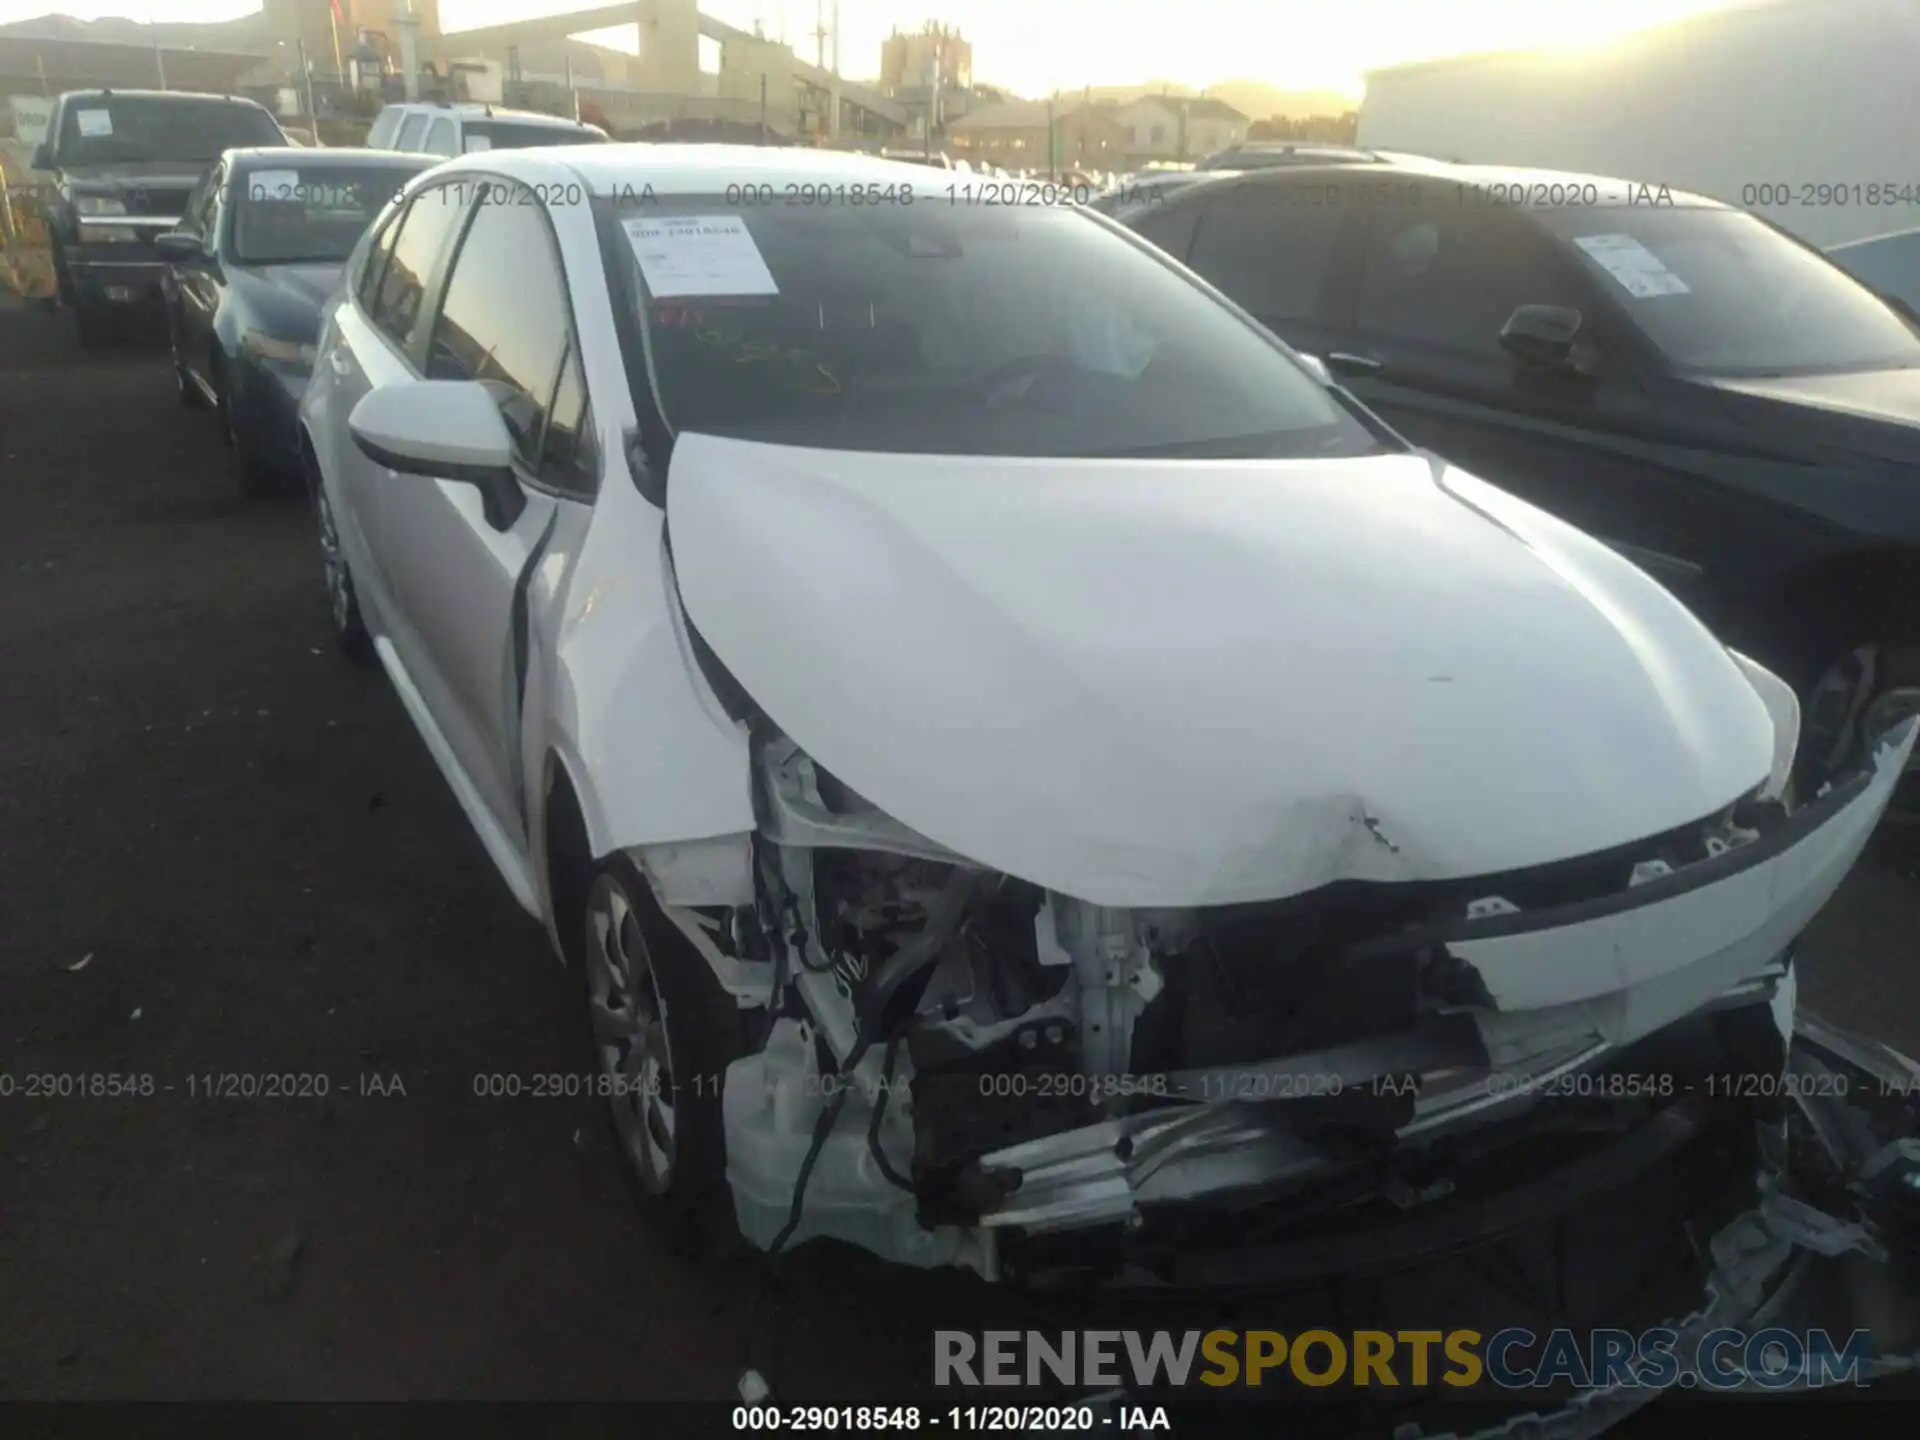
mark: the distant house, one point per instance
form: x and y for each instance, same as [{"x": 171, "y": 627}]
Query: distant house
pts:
[
  {"x": 1013, "y": 136},
  {"x": 1179, "y": 127}
]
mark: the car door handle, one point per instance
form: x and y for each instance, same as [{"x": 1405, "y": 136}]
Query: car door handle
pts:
[
  {"x": 1342, "y": 362},
  {"x": 341, "y": 365}
]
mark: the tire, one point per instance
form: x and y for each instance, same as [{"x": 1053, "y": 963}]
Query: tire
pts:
[
  {"x": 343, "y": 602},
  {"x": 62, "y": 281},
  {"x": 191, "y": 396},
  {"x": 663, "y": 1029},
  {"x": 255, "y": 476}
]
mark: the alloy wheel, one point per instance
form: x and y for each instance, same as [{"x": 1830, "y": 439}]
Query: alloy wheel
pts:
[
  {"x": 339, "y": 586},
  {"x": 630, "y": 1033}
]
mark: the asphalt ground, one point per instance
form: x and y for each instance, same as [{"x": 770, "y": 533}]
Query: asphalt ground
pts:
[{"x": 223, "y": 850}]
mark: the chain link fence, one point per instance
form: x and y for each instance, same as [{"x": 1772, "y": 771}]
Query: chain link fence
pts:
[{"x": 26, "y": 260}]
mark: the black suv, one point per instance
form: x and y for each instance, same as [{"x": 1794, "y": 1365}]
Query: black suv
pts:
[
  {"x": 125, "y": 161},
  {"x": 1715, "y": 399}
]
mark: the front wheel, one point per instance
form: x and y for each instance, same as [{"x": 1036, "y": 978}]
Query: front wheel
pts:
[
  {"x": 350, "y": 630},
  {"x": 189, "y": 392},
  {"x": 664, "y": 1033}
]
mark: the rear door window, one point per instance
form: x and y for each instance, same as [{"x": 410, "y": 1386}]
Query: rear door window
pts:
[
  {"x": 410, "y": 131},
  {"x": 440, "y": 138},
  {"x": 1448, "y": 278},
  {"x": 380, "y": 137},
  {"x": 1271, "y": 247},
  {"x": 503, "y": 322},
  {"x": 424, "y": 231}
]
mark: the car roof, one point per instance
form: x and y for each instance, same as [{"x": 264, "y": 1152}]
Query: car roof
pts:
[
  {"x": 1863, "y": 243},
  {"x": 1612, "y": 191},
  {"x": 478, "y": 110},
  {"x": 115, "y": 92},
  {"x": 692, "y": 169},
  {"x": 312, "y": 156}
]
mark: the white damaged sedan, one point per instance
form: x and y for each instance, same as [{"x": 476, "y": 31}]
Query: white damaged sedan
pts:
[{"x": 1032, "y": 776}]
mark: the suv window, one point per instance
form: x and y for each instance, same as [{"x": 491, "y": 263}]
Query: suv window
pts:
[
  {"x": 1270, "y": 247},
  {"x": 507, "y": 135},
  {"x": 504, "y": 319},
  {"x": 423, "y": 232},
  {"x": 1721, "y": 292},
  {"x": 1450, "y": 278},
  {"x": 1170, "y": 227},
  {"x": 380, "y": 137},
  {"x": 410, "y": 128},
  {"x": 440, "y": 138},
  {"x": 131, "y": 129}
]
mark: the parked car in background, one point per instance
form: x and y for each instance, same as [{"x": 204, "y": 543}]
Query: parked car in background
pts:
[
  {"x": 1132, "y": 194},
  {"x": 442, "y": 127},
  {"x": 1273, "y": 154},
  {"x": 1715, "y": 399},
  {"x": 1887, "y": 264},
  {"x": 257, "y": 253},
  {"x": 123, "y": 162},
  {"x": 1027, "y": 666}
]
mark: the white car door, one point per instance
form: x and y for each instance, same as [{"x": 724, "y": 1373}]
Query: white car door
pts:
[
  {"x": 374, "y": 326},
  {"x": 460, "y": 576}
]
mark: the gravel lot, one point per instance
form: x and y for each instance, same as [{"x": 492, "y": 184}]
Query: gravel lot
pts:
[{"x": 246, "y": 844}]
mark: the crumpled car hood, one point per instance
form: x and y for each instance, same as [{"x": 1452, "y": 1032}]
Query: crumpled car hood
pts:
[{"x": 1175, "y": 682}]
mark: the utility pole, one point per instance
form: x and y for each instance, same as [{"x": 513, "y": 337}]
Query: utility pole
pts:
[
  {"x": 306, "y": 73},
  {"x": 40, "y": 64},
  {"x": 763, "y": 107},
  {"x": 159, "y": 63},
  {"x": 833, "y": 115},
  {"x": 409, "y": 48},
  {"x": 933, "y": 101},
  {"x": 1051, "y": 101}
]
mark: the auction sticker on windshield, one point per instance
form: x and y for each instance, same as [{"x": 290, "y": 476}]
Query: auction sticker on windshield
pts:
[
  {"x": 94, "y": 123},
  {"x": 699, "y": 255},
  {"x": 1639, "y": 271},
  {"x": 274, "y": 185}
]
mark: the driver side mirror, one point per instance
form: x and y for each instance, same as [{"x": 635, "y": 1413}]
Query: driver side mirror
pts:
[
  {"x": 1545, "y": 337},
  {"x": 446, "y": 429},
  {"x": 42, "y": 157},
  {"x": 177, "y": 246}
]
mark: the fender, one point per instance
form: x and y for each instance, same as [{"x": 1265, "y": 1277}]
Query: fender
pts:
[{"x": 653, "y": 754}]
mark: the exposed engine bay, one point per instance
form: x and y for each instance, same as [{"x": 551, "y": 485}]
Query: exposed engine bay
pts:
[{"x": 952, "y": 1066}]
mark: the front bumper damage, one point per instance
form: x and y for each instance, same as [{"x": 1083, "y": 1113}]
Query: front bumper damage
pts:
[
  {"x": 1655, "y": 1007},
  {"x": 1571, "y": 990}
]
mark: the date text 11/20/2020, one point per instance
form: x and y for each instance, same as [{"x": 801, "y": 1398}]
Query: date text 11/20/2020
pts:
[{"x": 909, "y": 1419}]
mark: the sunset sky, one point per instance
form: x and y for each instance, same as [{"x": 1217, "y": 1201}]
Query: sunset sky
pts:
[{"x": 1033, "y": 47}]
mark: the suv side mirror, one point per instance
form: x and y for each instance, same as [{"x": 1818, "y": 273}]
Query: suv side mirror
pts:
[
  {"x": 42, "y": 158},
  {"x": 1542, "y": 335},
  {"x": 177, "y": 246}
]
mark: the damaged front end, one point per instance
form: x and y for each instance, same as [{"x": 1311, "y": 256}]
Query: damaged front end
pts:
[{"x": 962, "y": 1068}]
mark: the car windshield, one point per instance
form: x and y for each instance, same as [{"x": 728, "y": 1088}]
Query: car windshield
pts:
[
  {"x": 1718, "y": 292},
  {"x": 949, "y": 329},
  {"x": 105, "y": 129},
  {"x": 505, "y": 135},
  {"x": 285, "y": 214}
]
